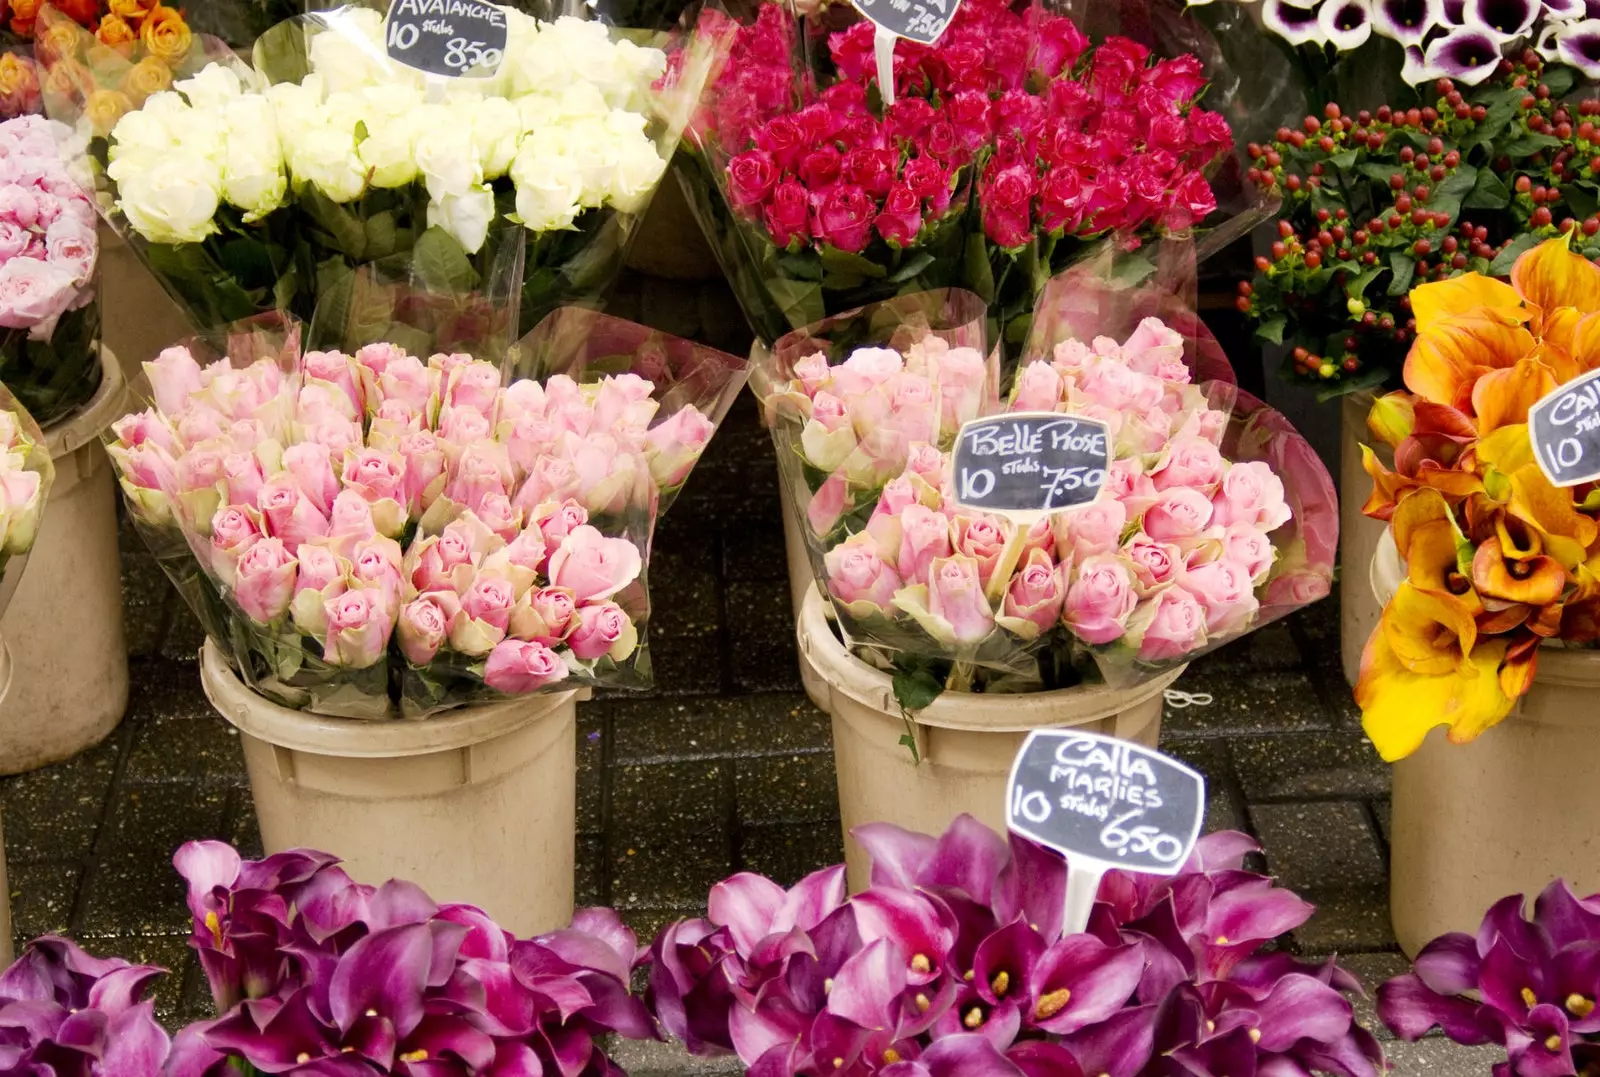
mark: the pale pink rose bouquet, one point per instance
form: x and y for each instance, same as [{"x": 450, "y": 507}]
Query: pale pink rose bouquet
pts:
[
  {"x": 382, "y": 533},
  {"x": 26, "y": 474},
  {"x": 1216, "y": 516},
  {"x": 49, "y": 250}
]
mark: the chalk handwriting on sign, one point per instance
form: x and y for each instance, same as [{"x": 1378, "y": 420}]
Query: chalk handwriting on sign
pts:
[
  {"x": 1106, "y": 803},
  {"x": 922, "y": 21},
  {"x": 1031, "y": 462},
  {"x": 452, "y": 38},
  {"x": 1565, "y": 428}
]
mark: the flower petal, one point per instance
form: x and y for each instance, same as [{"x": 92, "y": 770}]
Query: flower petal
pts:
[
  {"x": 897, "y": 854},
  {"x": 1578, "y": 44},
  {"x": 1346, "y": 23},
  {"x": 1505, "y": 19},
  {"x": 1406, "y": 21},
  {"x": 1399, "y": 707},
  {"x": 1446, "y": 360},
  {"x": 1431, "y": 303},
  {"x": 1296, "y": 25},
  {"x": 747, "y": 904},
  {"x": 387, "y": 972},
  {"x": 1468, "y": 55},
  {"x": 1552, "y": 275}
]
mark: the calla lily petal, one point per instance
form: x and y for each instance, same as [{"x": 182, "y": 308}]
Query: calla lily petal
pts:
[
  {"x": 1346, "y": 23},
  {"x": 1296, "y": 25},
  {"x": 1399, "y": 706},
  {"x": 1428, "y": 632},
  {"x": 1446, "y": 360},
  {"x": 1578, "y": 44},
  {"x": 1433, "y": 302},
  {"x": 1415, "y": 70},
  {"x": 1468, "y": 55},
  {"x": 1563, "y": 10},
  {"x": 1503, "y": 397},
  {"x": 1406, "y": 21},
  {"x": 1553, "y": 275},
  {"x": 1507, "y": 20}
]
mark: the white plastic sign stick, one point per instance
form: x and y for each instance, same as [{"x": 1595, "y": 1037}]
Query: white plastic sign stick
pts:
[
  {"x": 448, "y": 38},
  {"x": 1565, "y": 429},
  {"x": 1105, "y": 804},
  {"x": 1029, "y": 464},
  {"x": 922, "y": 21},
  {"x": 883, "y": 48}
]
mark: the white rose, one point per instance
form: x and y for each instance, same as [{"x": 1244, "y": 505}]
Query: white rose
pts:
[
  {"x": 174, "y": 200},
  {"x": 252, "y": 176},
  {"x": 345, "y": 111},
  {"x": 296, "y": 109},
  {"x": 548, "y": 190},
  {"x": 349, "y": 53},
  {"x": 466, "y": 217},
  {"x": 389, "y": 151},
  {"x": 212, "y": 89},
  {"x": 448, "y": 160},
  {"x": 640, "y": 167},
  {"x": 497, "y": 133},
  {"x": 327, "y": 157}
]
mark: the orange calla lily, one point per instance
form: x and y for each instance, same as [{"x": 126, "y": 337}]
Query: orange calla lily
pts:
[
  {"x": 1551, "y": 276},
  {"x": 1430, "y": 543},
  {"x": 1534, "y": 581},
  {"x": 1428, "y": 632},
  {"x": 1432, "y": 303},
  {"x": 1503, "y": 397},
  {"x": 1567, "y": 533},
  {"x": 1444, "y": 362}
]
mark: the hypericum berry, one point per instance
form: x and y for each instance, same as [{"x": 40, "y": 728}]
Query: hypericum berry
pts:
[
  {"x": 1458, "y": 262},
  {"x": 1262, "y": 263},
  {"x": 1242, "y": 304},
  {"x": 1279, "y": 251},
  {"x": 1591, "y": 226},
  {"x": 1292, "y": 182},
  {"x": 1297, "y": 140},
  {"x": 1420, "y": 193},
  {"x": 1437, "y": 173},
  {"x": 1541, "y": 217},
  {"x": 1274, "y": 159},
  {"x": 1312, "y": 125},
  {"x": 1350, "y": 364},
  {"x": 1422, "y": 248},
  {"x": 1395, "y": 220},
  {"x": 1313, "y": 260},
  {"x": 1323, "y": 216},
  {"x": 1246, "y": 288},
  {"x": 1524, "y": 185},
  {"x": 1407, "y": 154},
  {"x": 1283, "y": 134},
  {"x": 1285, "y": 229},
  {"x": 1402, "y": 204},
  {"x": 1301, "y": 355},
  {"x": 1331, "y": 110},
  {"x": 1449, "y": 245},
  {"x": 1397, "y": 182},
  {"x": 1360, "y": 237}
]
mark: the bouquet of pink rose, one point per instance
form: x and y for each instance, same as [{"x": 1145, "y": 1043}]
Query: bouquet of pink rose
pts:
[
  {"x": 49, "y": 319},
  {"x": 378, "y": 533},
  {"x": 26, "y": 474},
  {"x": 1216, "y": 517}
]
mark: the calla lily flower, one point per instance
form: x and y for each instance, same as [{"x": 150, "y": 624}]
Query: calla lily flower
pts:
[
  {"x": 1563, "y": 10},
  {"x": 1507, "y": 20},
  {"x": 1406, "y": 21},
  {"x": 1295, "y": 24},
  {"x": 1345, "y": 23},
  {"x": 1578, "y": 44},
  {"x": 1469, "y": 55}
]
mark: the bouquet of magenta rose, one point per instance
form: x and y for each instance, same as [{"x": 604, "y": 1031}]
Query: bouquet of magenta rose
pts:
[
  {"x": 49, "y": 316},
  {"x": 1528, "y": 984},
  {"x": 377, "y": 533},
  {"x": 1215, "y": 516},
  {"x": 249, "y": 187},
  {"x": 956, "y": 961},
  {"x": 312, "y": 972}
]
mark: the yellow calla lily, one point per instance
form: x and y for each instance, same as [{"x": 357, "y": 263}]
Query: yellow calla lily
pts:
[
  {"x": 1431, "y": 303},
  {"x": 1552, "y": 276},
  {"x": 1503, "y": 397},
  {"x": 1399, "y": 706},
  {"x": 1567, "y": 533}
]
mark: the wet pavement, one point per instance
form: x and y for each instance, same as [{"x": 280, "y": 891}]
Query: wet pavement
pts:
[{"x": 726, "y": 767}]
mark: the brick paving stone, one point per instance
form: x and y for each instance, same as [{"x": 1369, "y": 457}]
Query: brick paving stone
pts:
[
  {"x": 688, "y": 796},
  {"x": 1260, "y": 703},
  {"x": 41, "y": 899},
  {"x": 1328, "y": 852},
  {"x": 1224, "y": 807},
  {"x": 54, "y": 814},
  {"x": 786, "y": 789},
  {"x": 668, "y": 866},
  {"x": 761, "y": 625},
  {"x": 773, "y": 724},
  {"x": 1300, "y": 766},
  {"x": 134, "y": 888},
  {"x": 1272, "y": 648},
  {"x": 1440, "y": 1058},
  {"x": 789, "y": 852}
]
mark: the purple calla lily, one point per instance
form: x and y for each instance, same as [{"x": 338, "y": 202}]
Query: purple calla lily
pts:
[
  {"x": 954, "y": 963},
  {"x": 1578, "y": 44},
  {"x": 1506, "y": 20},
  {"x": 1297, "y": 25},
  {"x": 1346, "y": 24},
  {"x": 1468, "y": 55},
  {"x": 1407, "y": 21}
]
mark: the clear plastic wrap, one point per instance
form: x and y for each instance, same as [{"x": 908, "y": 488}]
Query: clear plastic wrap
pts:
[
  {"x": 264, "y": 185},
  {"x": 374, "y": 534},
  {"x": 26, "y": 475},
  {"x": 1216, "y": 517}
]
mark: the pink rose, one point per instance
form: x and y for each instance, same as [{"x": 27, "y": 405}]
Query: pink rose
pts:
[
  {"x": 528, "y": 439},
  {"x": 1249, "y": 548},
  {"x": 982, "y": 538},
  {"x": 925, "y": 460},
  {"x": 1129, "y": 484},
  {"x": 485, "y": 615},
  {"x": 592, "y": 566},
  {"x": 242, "y": 472},
  {"x": 321, "y": 577},
  {"x": 290, "y": 515},
  {"x": 1095, "y": 529},
  {"x": 857, "y": 574},
  {"x": 336, "y": 370},
  {"x": 1179, "y": 514},
  {"x": 375, "y": 475},
  {"x": 424, "y": 471},
  {"x": 1251, "y": 494},
  {"x": 139, "y": 428},
  {"x": 483, "y": 469},
  {"x": 375, "y": 564},
  {"x": 311, "y": 468},
  {"x": 827, "y": 505},
  {"x": 624, "y": 400},
  {"x": 500, "y": 516},
  {"x": 1189, "y": 462},
  {"x": 813, "y": 373},
  {"x": 233, "y": 532},
  {"x": 1154, "y": 348},
  {"x": 864, "y": 369},
  {"x": 174, "y": 377},
  {"x": 1113, "y": 384},
  {"x": 358, "y": 629},
  {"x": 404, "y": 378},
  {"x": 473, "y": 385},
  {"x": 552, "y": 479},
  {"x": 1100, "y": 600},
  {"x": 422, "y": 628},
  {"x": 351, "y": 520},
  {"x": 73, "y": 246},
  {"x": 378, "y": 357},
  {"x": 522, "y": 400},
  {"x": 557, "y": 521},
  {"x": 925, "y": 537},
  {"x": 1174, "y": 624},
  {"x": 1225, "y": 589},
  {"x": 955, "y": 596},
  {"x": 1155, "y": 564},
  {"x": 545, "y": 616},
  {"x": 1035, "y": 596},
  {"x": 900, "y": 219},
  {"x": 517, "y": 667},
  {"x": 1038, "y": 388},
  {"x": 673, "y": 447},
  {"x": 264, "y": 581},
  {"x": 1299, "y": 588},
  {"x": 603, "y": 630}
]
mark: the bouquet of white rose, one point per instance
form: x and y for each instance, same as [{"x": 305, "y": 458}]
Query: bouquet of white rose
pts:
[{"x": 256, "y": 186}]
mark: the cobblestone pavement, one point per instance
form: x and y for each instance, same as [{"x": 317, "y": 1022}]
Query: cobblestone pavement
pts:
[{"x": 726, "y": 767}]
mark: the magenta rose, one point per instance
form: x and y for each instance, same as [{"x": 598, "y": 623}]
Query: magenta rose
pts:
[
  {"x": 1100, "y": 600},
  {"x": 1179, "y": 515},
  {"x": 819, "y": 169},
  {"x": 1108, "y": 205},
  {"x": 1226, "y": 591},
  {"x": 908, "y": 118},
  {"x": 1007, "y": 207},
  {"x": 1059, "y": 46},
  {"x": 517, "y": 667},
  {"x": 1173, "y": 623},
  {"x": 603, "y": 629},
  {"x": 844, "y": 219},
  {"x": 1062, "y": 201},
  {"x": 956, "y": 597},
  {"x": 901, "y": 217},
  {"x": 1192, "y": 201},
  {"x": 1251, "y": 494},
  {"x": 264, "y": 581},
  {"x": 930, "y": 182},
  {"x": 968, "y": 113},
  {"x": 751, "y": 177},
  {"x": 784, "y": 141}
]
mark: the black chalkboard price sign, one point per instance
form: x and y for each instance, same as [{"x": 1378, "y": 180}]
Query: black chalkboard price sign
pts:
[
  {"x": 1104, "y": 804},
  {"x": 449, "y": 38},
  {"x": 1031, "y": 463},
  {"x": 922, "y": 21},
  {"x": 1565, "y": 428}
]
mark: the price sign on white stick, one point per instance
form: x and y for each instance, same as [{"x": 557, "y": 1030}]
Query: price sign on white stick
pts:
[
  {"x": 447, "y": 38},
  {"x": 1104, "y": 804},
  {"x": 922, "y": 21}
]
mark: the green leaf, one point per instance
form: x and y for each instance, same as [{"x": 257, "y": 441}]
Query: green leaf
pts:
[
  {"x": 1405, "y": 270},
  {"x": 1488, "y": 192},
  {"x": 1501, "y": 266},
  {"x": 1343, "y": 160},
  {"x": 1272, "y": 329},
  {"x": 916, "y": 689},
  {"x": 342, "y": 222},
  {"x": 1370, "y": 378},
  {"x": 1457, "y": 184},
  {"x": 1378, "y": 170},
  {"x": 1527, "y": 145},
  {"x": 1132, "y": 270},
  {"x": 1559, "y": 78},
  {"x": 1355, "y": 287},
  {"x": 913, "y": 265},
  {"x": 977, "y": 273},
  {"x": 1581, "y": 199},
  {"x": 801, "y": 265},
  {"x": 382, "y": 234},
  {"x": 835, "y": 260},
  {"x": 800, "y": 301},
  {"x": 441, "y": 265}
]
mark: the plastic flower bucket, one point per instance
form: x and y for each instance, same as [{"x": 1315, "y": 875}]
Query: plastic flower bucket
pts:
[
  {"x": 477, "y": 805},
  {"x": 1358, "y": 534},
  {"x": 1504, "y": 814},
  {"x": 6, "y": 950},
  {"x": 69, "y": 687},
  {"x": 967, "y": 742}
]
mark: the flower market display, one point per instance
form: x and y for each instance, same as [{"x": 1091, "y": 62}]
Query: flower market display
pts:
[
  {"x": 1498, "y": 560},
  {"x": 384, "y": 532},
  {"x": 1525, "y": 983},
  {"x": 66, "y": 1012},
  {"x": 955, "y": 962},
  {"x": 253, "y": 187},
  {"x": 50, "y": 349},
  {"x": 1377, "y": 201},
  {"x": 1008, "y": 143},
  {"x": 1214, "y": 519}
]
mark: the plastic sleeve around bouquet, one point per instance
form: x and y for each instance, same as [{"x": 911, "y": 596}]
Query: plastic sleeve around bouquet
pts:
[
  {"x": 54, "y": 373},
  {"x": 26, "y": 475}
]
